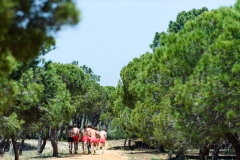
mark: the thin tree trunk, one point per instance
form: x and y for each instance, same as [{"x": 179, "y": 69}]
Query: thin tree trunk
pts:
[
  {"x": 10, "y": 148},
  {"x": 1, "y": 142},
  {"x": 39, "y": 141},
  {"x": 15, "y": 148},
  {"x": 6, "y": 144},
  {"x": 215, "y": 152},
  {"x": 125, "y": 142},
  {"x": 44, "y": 142},
  {"x": 204, "y": 151},
  {"x": 129, "y": 143},
  {"x": 61, "y": 132},
  {"x": 235, "y": 143},
  {"x": 21, "y": 146},
  {"x": 53, "y": 138},
  {"x": 84, "y": 120},
  {"x": 180, "y": 155},
  {"x": 74, "y": 118},
  {"x": 80, "y": 117}
]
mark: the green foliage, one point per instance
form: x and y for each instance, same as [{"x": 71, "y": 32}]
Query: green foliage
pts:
[
  {"x": 186, "y": 91},
  {"x": 175, "y": 27},
  {"x": 26, "y": 31},
  {"x": 28, "y": 24},
  {"x": 183, "y": 17}
]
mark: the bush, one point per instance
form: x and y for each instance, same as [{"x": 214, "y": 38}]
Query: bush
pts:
[{"x": 116, "y": 134}]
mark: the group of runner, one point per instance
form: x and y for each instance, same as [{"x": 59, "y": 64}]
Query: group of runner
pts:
[{"x": 91, "y": 139}]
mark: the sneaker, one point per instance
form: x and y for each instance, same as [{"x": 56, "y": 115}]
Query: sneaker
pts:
[{"x": 102, "y": 152}]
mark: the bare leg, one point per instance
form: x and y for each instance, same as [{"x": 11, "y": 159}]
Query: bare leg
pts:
[
  {"x": 92, "y": 147},
  {"x": 84, "y": 145},
  {"x": 88, "y": 147},
  {"x": 103, "y": 147},
  {"x": 75, "y": 147},
  {"x": 70, "y": 145}
]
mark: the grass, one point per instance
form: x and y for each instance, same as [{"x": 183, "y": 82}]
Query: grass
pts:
[{"x": 30, "y": 151}]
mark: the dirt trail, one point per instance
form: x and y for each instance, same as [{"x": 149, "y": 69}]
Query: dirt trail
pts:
[
  {"x": 114, "y": 152},
  {"x": 108, "y": 155}
]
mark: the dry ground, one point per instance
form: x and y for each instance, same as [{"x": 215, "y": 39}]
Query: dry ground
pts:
[{"x": 114, "y": 152}]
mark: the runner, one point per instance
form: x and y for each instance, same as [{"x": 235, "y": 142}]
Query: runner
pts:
[
  {"x": 70, "y": 133},
  {"x": 89, "y": 138},
  {"x": 93, "y": 133},
  {"x": 76, "y": 138},
  {"x": 84, "y": 139},
  {"x": 97, "y": 138},
  {"x": 103, "y": 137}
]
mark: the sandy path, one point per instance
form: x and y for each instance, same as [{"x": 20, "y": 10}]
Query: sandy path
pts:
[{"x": 108, "y": 155}]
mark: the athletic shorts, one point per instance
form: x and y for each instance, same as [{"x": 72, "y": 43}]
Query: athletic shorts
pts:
[
  {"x": 102, "y": 140},
  {"x": 84, "y": 139},
  {"x": 70, "y": 139},
  {"x": 93, "y": 140},
  {"x": 76, "y": 138},
  {"x": 88, "y": 139},
  {"x": 97, "y": 140}
]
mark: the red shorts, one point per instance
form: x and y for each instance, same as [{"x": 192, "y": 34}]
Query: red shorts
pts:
[
  {"x": 93, "y": 140},
  {"x": 88, "y": 139},
  {"x": 97, "y": 140},
  {"x": 102, "y": 140},
  {"x": 84, "y": 139},
  {"x": 76, "y": 138}
]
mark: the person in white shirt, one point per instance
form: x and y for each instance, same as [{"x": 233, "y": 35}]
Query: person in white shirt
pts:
[{"x": 103, "y": 137}]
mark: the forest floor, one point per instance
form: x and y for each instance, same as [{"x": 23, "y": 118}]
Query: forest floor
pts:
[{"x": 114, "y": 151}]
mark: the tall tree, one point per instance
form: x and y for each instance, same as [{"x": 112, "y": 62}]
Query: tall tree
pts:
[
  {"x": 176, "y": 26},
  {"x": 25, "y": 32}
]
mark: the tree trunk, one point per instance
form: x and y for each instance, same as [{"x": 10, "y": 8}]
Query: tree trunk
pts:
[
  {"x": 125, "y": 142},
  {"x": 39, "y": 141},
  {"x": 84, "y": 120},
  {"x": 33, "y": 135},
  {"x": 53, "y": 138},
  {"x": 10, "y": 148},
  {"x": 160, "y": 147},
  {"x": 204, "y": 151},
  {"x": 215, "y": 152},
  {"x": 129, "y": 143},
  {"x": 1, "y": 142},
  {"x": 180, "y": 155},
  {"x": 15, "y": 148},
  {"x": 21, "y": 146},
  {"x": 235, "y": 143},
  {"x": 61, "y": 132},
  {"x": 6, "y": 144},
  {"x": 74, "y": 119},
  {"x": 44, "y": 142}
]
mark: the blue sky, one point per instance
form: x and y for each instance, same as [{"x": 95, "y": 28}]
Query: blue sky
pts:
[{"x": 113, "y": 32}]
